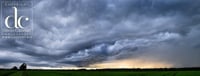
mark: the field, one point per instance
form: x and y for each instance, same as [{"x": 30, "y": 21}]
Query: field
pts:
[{"x": 100, "y": 73}]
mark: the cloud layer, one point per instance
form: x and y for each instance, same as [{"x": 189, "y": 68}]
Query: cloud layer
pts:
[{"x": 86, "y": 32}]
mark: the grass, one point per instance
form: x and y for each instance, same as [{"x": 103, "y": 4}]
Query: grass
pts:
[{"x": 97, "y": 73}]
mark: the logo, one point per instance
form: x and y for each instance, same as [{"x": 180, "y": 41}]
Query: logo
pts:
[{"x": 16, "y": 19}]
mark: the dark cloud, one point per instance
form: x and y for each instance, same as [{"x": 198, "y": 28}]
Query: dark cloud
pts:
[{"x": 84, "y": 32}]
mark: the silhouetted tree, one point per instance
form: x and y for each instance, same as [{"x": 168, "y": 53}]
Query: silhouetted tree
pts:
[{"x": 23, "y": 66}]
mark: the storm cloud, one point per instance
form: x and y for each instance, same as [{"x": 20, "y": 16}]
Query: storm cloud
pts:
[{"x": 84, "y": 32}]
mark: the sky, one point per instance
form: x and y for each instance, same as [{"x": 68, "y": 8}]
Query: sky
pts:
[{"x": 108, "y": 34}]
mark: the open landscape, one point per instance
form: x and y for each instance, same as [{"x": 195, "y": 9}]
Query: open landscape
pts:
[{"x": 99, "y": 37}]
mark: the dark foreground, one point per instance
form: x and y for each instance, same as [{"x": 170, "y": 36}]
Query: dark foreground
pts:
[{"x": 105, "y": 72}]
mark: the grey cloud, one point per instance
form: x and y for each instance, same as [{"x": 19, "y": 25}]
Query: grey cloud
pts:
[
  {"x": 103, "y": 51},
  {"x": 83, "y": 32}
]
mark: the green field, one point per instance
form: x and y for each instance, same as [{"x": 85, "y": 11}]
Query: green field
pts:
[{"x": 97, "y": 73}]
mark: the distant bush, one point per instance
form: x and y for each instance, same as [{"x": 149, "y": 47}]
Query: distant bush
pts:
[{"x": 14, "y": 68}]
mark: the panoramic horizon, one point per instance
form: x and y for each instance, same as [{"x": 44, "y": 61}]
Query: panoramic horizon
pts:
[{"x": 98, "y": 34}]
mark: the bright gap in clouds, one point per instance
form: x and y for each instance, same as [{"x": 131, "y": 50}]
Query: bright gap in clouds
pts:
[{"x": 132, "y": 63}]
